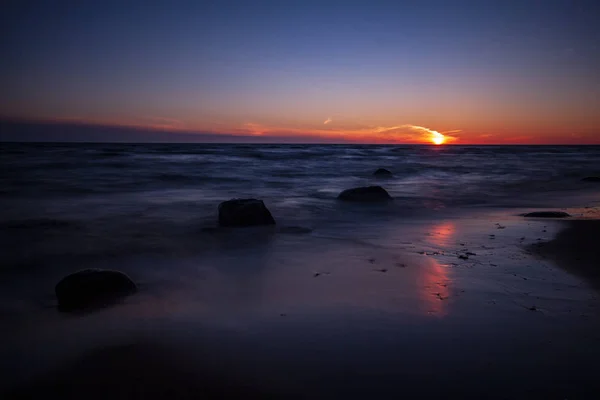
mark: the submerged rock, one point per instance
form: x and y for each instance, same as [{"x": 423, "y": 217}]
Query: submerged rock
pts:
[
  {"x": 92, "y": 287},
  {"x": 295, "y": 229},
  {"x": 591, "y": 179},
  {"x": 244, "y": 212},
  {"x": 365, "y": 194},
  {"x": 381, "y": 172},
  {"x": 547, "y": 214}
]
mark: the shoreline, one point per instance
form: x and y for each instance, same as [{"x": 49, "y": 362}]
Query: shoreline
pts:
[
  {"x": 309, "y": 315},
  {"x": 575, "y": 249}
]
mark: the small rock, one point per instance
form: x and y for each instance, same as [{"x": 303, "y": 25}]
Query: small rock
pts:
[
  {"x": 92, "y": 287},
  {"x": 463, "y": 257},
  {"x": 471, "y": 254},
  {"x": 365, "y": 194},
  {"x": 295, "y": 229},
  {"x": 244, "y": 212},
  {"x": 591, "y": 179},
  {"x": 547, "y": 214},
  {"x": 532, "y": 308},
  {"x": 381, "y": 172}
]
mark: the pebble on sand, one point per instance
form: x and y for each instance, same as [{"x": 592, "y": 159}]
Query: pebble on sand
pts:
[{"x": 547, "y": 214}]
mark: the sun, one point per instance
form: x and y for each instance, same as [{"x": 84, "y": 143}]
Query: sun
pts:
[{"x": 437, "y": 138}]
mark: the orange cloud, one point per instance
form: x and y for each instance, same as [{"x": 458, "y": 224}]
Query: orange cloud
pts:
[{"x": 379, "y": 134}]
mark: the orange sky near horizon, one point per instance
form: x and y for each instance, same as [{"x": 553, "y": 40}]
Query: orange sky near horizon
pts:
[
  {"x": 479, "y": 72},
  {"x": 332, "y": 130}
]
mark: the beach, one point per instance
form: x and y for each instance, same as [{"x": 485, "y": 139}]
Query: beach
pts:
[{"x": 367, "y": 300}]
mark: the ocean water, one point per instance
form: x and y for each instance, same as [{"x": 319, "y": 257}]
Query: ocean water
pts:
[
  {"x": 368, "y": 299},
  {"x": 102, "y": 200}
]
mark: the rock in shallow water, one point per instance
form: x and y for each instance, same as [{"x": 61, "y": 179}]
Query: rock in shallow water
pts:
[
  {"x": 381, "y": 172},
  {"x": 547, "y": 214},
  {"x": 295, "y": 229},
  {"x": 591, "y": 179},
  {"x": 92, "y": 287},
  {"x": 365, "y": 194},
  {"x": 244, "y": 212}
]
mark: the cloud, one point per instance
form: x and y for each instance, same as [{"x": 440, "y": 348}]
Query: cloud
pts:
[
  {"x": 162, "y": 123},
  {"x": 255, "y": 129},
  {"x": 328, "y": 120},
  {"x": 405, "y": 133},
  {"x": 433, "y": 135}
]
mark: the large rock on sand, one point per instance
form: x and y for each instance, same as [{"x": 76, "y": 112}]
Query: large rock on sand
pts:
[
  {"x": 591, "y": 179},
  {"x": 547, "y": 214},
  {"x": 365, "y": 194},
  {"x": 92, "y": 287},
  {"x": 382, "y": 172},
  {"x": 244, "y": 212}
]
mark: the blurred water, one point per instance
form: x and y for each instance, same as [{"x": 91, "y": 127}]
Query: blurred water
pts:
[
  {"x": 374, "y": 294},
  {"x": 111, "y": 199}
]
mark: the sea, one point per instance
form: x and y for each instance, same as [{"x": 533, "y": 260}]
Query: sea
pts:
[
  {"x": 101, "y": 200},
  {"x": 435, "y": 294}
]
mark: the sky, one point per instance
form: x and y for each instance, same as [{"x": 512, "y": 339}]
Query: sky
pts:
[{"x": 478, "y": 71}]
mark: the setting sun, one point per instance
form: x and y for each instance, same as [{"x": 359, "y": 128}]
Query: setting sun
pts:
[{"x": 437, "y": 138}]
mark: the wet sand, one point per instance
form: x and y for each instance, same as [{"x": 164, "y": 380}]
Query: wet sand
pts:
[
  {"x": 489, "y": 305},
  {"x": 576, "y": 249}
]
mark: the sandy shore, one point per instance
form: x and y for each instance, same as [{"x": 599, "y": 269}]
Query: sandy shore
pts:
[
  {"x": 137, "y": 371},
  {"x": 488, "y": 305},
  {"x": 576, "y": 249}
]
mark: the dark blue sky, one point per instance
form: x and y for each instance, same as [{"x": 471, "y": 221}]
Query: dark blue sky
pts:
[{"x": 503, "y": 69}]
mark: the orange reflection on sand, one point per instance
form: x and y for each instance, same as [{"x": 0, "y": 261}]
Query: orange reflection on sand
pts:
[
  {"x": 435, "y": 288},
  {"x": 442, "y": 233},
  {"x": 436, "y": 292}
]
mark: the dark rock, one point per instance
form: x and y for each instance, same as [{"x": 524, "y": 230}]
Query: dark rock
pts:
[
  {"x": 92, "y": 287},
  {"x": 547, "y": 214},
  {"x": 295, "y": 229},
  {"x": 591, "y": 179},
  {"x": 365, "y": 194},
  {"x": 382, "y": 172},
  {"x": 244, "y": 212}
]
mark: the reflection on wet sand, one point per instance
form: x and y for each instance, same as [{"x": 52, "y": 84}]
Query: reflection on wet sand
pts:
[
  {"x": 435, "y": 290},
  {"x": 442, "y": 234},
  {"x": 435, "y": 279}
]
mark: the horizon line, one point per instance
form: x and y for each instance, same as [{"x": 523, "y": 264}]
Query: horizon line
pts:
[{"x": 199, "y": 134}]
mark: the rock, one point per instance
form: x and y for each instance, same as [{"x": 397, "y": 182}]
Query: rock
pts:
[
  {"x": 92, "y": 287},
  {"x": 547, "y": 214},
  {"x": 244, "y": 212},
  {"x": 365, "y": 194},
  {"x": 382, "y": 172},
  {"x": 295, "y": 229},
  {"x": 591, "y": 179}
]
